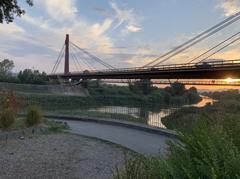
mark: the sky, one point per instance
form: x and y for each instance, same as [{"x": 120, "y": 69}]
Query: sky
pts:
[{"x": 124, "y": 33}]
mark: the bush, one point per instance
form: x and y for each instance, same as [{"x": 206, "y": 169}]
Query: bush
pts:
[
  {"x": 34, "y": 116},
  {"x": 7, "y": 118},
  {"x": 206, "y": 153}
]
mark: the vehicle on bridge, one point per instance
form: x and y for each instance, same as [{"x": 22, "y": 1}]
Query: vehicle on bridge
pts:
[{"x": 203, "y": 65}]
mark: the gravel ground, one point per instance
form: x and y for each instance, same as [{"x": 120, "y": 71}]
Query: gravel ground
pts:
[{"x": 59, "y": 156}]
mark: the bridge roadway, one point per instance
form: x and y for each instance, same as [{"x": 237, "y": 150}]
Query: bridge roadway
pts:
[{"x": 210, "y": 70}]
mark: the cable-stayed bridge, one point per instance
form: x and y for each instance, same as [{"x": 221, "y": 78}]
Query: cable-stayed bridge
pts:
[{"x": 197, "y": 68}]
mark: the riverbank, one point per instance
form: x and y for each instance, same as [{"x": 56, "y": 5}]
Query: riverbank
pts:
[{"x": 59, "y": 155}]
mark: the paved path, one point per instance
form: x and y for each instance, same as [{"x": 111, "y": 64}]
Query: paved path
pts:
[{"x": 137, "y": 140}]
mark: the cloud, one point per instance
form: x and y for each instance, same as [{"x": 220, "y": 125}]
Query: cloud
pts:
[
  {"x": 229, "y": 7},
  {"x": 11, "y": 29},
  {"x": 60, "y": 10},
  {"x": 132, "y": 28},
  {"x": 127, "y": 18},
  {"x": 102, "y": 11}
]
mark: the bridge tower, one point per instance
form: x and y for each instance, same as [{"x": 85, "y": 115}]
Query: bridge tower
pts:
[{"x": 66, "y": 66}]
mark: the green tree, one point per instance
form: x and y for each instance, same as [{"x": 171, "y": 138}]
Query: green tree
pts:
[
  {"x": 33, "y": 77},
  {"x": 176, "y": 89},
  {"x": 6, "y": 67},
  {"x": 10, "y": 8},
  {"x": 143, "y": 86}
]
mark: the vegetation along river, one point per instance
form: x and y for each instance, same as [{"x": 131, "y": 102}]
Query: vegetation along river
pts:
[{"x": 152, "y": 117}]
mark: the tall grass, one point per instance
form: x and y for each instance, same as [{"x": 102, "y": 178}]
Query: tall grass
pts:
[{"x": 206, "y": 153}]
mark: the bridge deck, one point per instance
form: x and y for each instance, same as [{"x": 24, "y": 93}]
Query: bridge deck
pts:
[{"x": 210, "y": 70}]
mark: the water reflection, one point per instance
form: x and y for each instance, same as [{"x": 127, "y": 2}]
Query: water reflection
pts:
[{"x": 149, "y": 116}]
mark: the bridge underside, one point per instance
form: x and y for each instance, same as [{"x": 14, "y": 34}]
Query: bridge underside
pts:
[{"x": 185, "y": 82}]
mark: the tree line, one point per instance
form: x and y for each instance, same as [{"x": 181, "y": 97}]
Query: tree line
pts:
[{"x": 27, "y": 76}]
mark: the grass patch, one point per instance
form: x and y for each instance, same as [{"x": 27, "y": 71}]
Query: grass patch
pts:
[
  {"x": 55, "y": 126},
  {"x": 95, "y": 114}
]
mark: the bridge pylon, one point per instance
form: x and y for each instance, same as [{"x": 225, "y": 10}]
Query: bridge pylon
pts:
[{"x": 66, "y": 65}]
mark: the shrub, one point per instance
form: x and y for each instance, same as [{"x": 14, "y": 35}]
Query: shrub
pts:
[
  {"x": 34, "y": 116},
  {"x": 7, "y": 118},
  {"x": 206, "y": 153}
]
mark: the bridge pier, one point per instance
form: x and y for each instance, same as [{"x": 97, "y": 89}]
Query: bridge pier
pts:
[{"x": 66, "y": 66}]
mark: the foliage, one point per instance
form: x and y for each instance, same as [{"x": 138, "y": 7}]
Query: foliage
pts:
[
  {"x": 7, "y": 118},
  {"x": 143, "y": 86},
  {"x": 34, "y": 116},
  {"x": 208, "y": 152},
  {"x": 56, "y": 126},
  {"x": 26, "y": 76},
  {"x": 155, "y": 96},
  {"x": 218, "y": 95},
  {"x": 225, "y": 114},
  {"x": 32, "y": 77},
  {"x": 6, "y": 67},
  {"x": 176, "y": 89},
  {"x": 10, "y": 8},
  {"x": 10, "y": 106},
  {"x": 9, "y": 99}
]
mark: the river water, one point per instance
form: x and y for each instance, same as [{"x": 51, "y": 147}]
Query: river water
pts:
[{"x": 151, "y": 118}]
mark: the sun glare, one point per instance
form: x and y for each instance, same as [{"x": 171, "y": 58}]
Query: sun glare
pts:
[{"x": 230, "y": 80}]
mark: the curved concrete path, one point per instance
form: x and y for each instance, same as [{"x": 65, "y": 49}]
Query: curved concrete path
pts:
[{"x": 137, "y": 140}]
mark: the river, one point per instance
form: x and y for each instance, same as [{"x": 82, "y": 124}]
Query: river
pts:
[{"x": 151, "y": 118}]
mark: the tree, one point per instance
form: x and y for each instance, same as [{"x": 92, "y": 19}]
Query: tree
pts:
[
  {"x": 176, "y": 89},
  {"x": 10, "y": 8},
  {"x": 143, "y": 86},
  {"x": 193, "y": 90},
  {"x": 33, "y": 77},
  {"x": 6, "y": 67}
]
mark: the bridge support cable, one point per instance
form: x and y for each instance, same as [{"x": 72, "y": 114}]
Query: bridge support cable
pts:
[
  {"x": 94, "y": 57},
  {"x": 60, "y": 56},
  {"x": 83, "y": 60},
  {"x": 199, "y": 40},
  {"x": 76, "y": 62},
  {"x": 227, "y": 45},
  {"x": 196, "y": 39},
  {"x": 214, "y": 47}
]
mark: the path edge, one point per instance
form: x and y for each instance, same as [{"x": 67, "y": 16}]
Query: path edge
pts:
[{"x": 115, "y": 122}]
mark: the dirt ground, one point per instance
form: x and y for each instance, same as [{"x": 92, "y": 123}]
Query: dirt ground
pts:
[{"x": 59, "y": 156}]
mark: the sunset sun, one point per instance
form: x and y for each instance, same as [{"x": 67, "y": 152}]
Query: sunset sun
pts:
[{"x": 231, "y": 80}]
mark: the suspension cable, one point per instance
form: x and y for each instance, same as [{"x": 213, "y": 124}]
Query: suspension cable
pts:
[
  {"x": 85, "y": 61},
  {"x": 197, "y": 37},
  {"x": 94, "y": 57},
  {"x": 214, "y": 47},
  {"x": 58, "y": 60},
  {"x": 199, "y": 40},
  {"x": 74, "y": 61},
  {"x": 230, "y": 43},
  {"x": 77, "y": 64}
]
